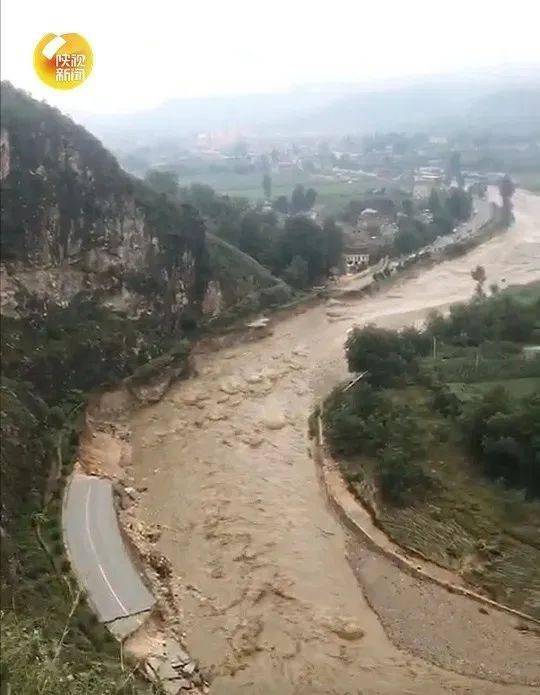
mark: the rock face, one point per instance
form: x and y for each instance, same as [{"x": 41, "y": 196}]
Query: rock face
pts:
[
  {"x": 4, "y": 154},
  {"x": 74, "y": 222},
  {"x": 99, "y": 275}
]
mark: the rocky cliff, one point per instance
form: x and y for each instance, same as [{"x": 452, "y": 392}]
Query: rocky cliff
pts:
[
  {"x": 102, "y": 278},
  {"x": 99, "y": 275},
  {"x": 74, "y": 223}
]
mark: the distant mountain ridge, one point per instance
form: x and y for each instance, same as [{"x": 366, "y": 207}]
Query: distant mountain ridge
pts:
[{"x": 505, "y": 99}]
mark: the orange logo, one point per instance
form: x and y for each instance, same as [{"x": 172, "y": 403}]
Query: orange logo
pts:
[{"x": 63, "y": 61}]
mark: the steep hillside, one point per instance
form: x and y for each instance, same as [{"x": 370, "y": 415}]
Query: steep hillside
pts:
[
  {"x": 100, "y": 275},
  {"x": 243, "y": 283},
  {"x": 74, "y": 222}
]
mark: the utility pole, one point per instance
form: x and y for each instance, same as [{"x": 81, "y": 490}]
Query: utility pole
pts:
[{"x": 434, "y": 348}]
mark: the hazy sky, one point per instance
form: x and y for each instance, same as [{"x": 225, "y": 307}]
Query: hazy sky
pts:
[{"x": 147, "y": 52}]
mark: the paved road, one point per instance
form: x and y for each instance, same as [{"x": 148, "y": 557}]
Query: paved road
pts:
[
  {"x": 97, "y": 552},
  {"x": 469, "y": 228}
]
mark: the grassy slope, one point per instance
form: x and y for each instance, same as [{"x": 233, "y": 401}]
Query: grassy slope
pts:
[
  {"x": 246, "y": 284},
  {"x": 230, "y": 263},
  {"x": 39, "y": 596},
  {"x": 51, "y": 639}
]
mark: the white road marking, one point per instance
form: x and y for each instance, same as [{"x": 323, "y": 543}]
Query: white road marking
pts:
[{"x": 103, "y": 574}]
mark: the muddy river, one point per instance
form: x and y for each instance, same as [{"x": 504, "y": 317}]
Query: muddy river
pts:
[{"x": 270, "y": 600}]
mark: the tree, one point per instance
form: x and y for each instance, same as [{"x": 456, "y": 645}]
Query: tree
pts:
[
  {"x": 298, "y": 199},
  {"x": 497, "y": 319},
  {"x": 296, "y": 273},
  {"x": 479, "y": 276},
  {"x": 459, "y": 204},
  {"x": 385, "y": 355},
  {"x": 165, "y": 182},
  {"x": 407, "y": 241},
  {"x": 309, "y": 198},
  {"x": 206, "y": 200},
  {"x": 401, "y": 475},
  {"x": 434, "y": 203},
  {"x": 301, "y": 199},
  {"x": 407, "y": 206},
  {"x": 503, "y": 435},
  {"x": 506, "y": 190},
  {"x": 412, "y": 235},
  {"x": 267, "y": 186},
  {"x": 454, "y": 169},
  {"x": 281, "y": 204},
  {"x": 506, "y": 187},
  {"x": 334, "y": 244},
  {"x": 303, "y": 237},
  {"x": 250, "y": 235}
]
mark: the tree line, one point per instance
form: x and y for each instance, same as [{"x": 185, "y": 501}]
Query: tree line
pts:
[
  {"x": 447, "y": 209},
  {"x": 499, "y": 431},
  {"x": 296, "y": 248}
]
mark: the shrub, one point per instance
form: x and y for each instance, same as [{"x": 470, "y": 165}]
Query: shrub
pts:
[
  {"x": 55, "y": 534},
  {"x": 499, "y": 318},
  {"x": 446, "y": 402},
  {"x": 503, "y": 435},
  {"x": 387, "y": 356},
  {"x": 401, "y": 476},
  {"x": 58, "y": 548}
]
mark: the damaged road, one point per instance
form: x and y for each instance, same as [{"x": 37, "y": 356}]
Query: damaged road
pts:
[{"x": 100, "y": 557}]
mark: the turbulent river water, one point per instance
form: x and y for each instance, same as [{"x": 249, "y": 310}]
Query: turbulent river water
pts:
[{"x": 271, "y": 603}]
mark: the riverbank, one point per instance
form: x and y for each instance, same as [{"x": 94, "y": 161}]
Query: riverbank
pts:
[
  {"x": 413, "y": 596},
  {"x": 446, "y": 504}
]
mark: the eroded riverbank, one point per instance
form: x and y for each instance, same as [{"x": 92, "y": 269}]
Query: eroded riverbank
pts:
[{"x": 270, "y": 602}]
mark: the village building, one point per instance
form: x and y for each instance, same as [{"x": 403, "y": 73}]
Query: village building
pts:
[{"x": 355, "y": 255}]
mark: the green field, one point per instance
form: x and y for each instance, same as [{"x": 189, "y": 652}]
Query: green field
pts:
[{"x": 332, "y": 194}]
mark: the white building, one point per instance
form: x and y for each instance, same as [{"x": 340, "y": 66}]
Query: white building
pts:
[{"x": 355, "y": 260}]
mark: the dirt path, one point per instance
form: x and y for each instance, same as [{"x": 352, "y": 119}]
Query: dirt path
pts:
[{"x": 271, "y": 603}]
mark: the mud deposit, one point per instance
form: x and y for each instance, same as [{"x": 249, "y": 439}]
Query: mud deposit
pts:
[{"x": 271, "y": 604}]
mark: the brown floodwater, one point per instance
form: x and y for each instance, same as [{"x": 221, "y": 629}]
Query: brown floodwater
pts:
[{"x": 270, "y": 604}]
